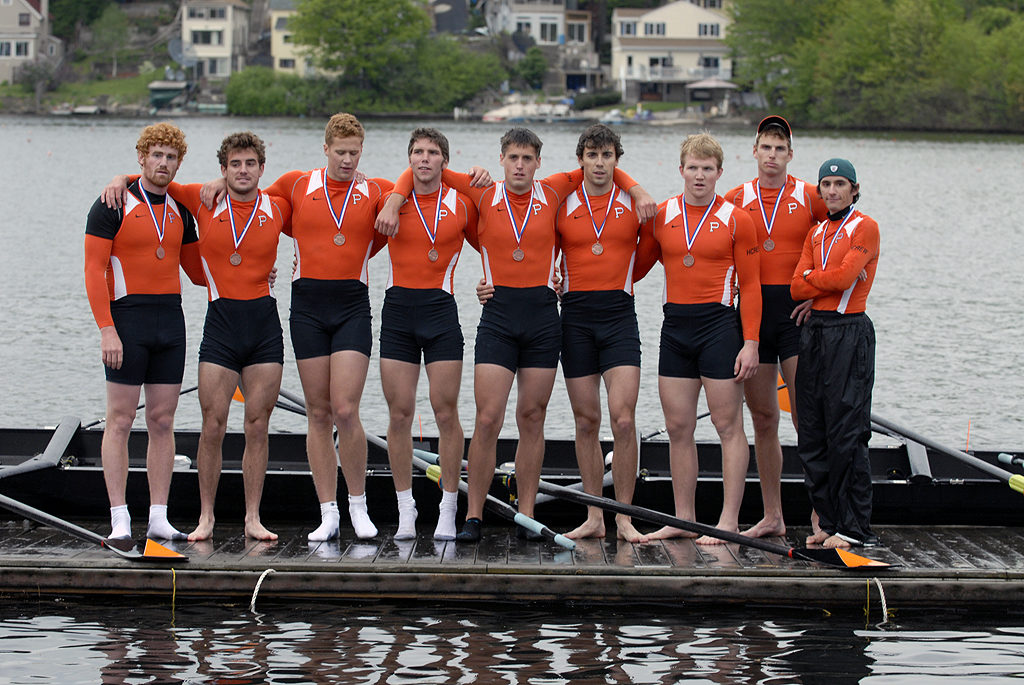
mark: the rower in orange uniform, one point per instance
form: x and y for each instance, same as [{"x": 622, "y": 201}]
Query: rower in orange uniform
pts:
[
  {"x": 333, "y": 215},
  {"x": 132, "y": 257},
  {"x": 707, "y": 247},
  {"x": 837, "y": 361},
  {"x": 420, "y": 319},
  {"x": 783, "y": 209},
  {"x": 598, "y": 228},
  {"x": 519, "y": 335}
]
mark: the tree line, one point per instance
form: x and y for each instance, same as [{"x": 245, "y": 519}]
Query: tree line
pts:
[{"x": 892, "y": 64}]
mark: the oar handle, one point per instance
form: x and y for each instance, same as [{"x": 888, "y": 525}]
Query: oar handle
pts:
[
  {"x": 540, "y": 529},
  {"x": 968, "y": 459},
  {"x": 1005, "y": 458}
]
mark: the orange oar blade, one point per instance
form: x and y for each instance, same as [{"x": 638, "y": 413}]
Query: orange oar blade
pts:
[
  {"x": 855, "y": 560},
  {"x": 238, "y": 397},
  {"x": 154, "y": 550},
  {"x": 784, "y": 404}
]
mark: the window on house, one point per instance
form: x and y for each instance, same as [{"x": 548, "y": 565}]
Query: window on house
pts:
[
  {"x": 708, "y": 30},
  {"x": 5, "y": 48},
  {"x": 282, "y": 23},
  {"x": 23, "y": 19},
  {"x": 197, "y": 13},
  {"x": 549, "y": 33},
  {"x": 523, "y": 27},
  {"x": 653, "y": 29},
  {"x": 577, "y": 32},
  {"x": 208, "y": 37},
  {"x": 213, "y": 63},
  {"x": 709, "y": 62},
  {"x": 286, "y": 38},
  {"x": 286, "y": 63},
  {"x": 627, "y": 28},
  {"x": 218, "y": 12},
  {"x": 21, "y": 48}
]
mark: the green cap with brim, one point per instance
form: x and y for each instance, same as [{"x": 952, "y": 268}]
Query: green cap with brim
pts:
[{"x": 838, "y": 167}]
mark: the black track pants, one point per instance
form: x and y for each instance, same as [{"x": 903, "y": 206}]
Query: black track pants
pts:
[{"x": 834, "y": 378}]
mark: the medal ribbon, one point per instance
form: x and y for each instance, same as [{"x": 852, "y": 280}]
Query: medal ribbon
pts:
[
  {"x": 512, "y": 218},
  {"x": 686, "y": 223},
  {"x": 160, "y": 227},
  {"x": 338, "y": 218},
  {"x": 437, "y": 214},
  {"x": 825, "y": 255},
  {"x": 760, "y": 205},
  {"x": 231, "y": 216},
  {"x": 607, "y": 211}
]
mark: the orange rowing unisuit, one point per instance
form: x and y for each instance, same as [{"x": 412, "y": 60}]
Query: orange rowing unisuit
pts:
[
  {"x": 722, "y": 251},
  {"x": 332, "y": 226},
  {"x": 592, "y": 262},
  {"x": 426, "y": 249},
  {"x": 237, "y": 262},
  {"x": 790, "y": 216},
  {"x": 126, "y": 261}
]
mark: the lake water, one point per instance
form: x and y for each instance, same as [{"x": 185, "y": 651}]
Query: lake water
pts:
[{"x": 949, "y": 316}]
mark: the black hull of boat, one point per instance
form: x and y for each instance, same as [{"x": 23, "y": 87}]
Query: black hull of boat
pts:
[{"x": 937, "y": 491}]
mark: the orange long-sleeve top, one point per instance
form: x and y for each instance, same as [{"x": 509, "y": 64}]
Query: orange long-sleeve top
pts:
[
  {"x": 315, "y": 223},
  {"x": 835, "y": 253},
  {"x": 122, "y": 245},
  {"x": 537, "y": 210},
  {"x": 256, "y": 247},
  {"x": 424, "y": 252},
  {"x": 791, "y": 211},
  {"x": 724, "y": 253},
  {"x": 609, "y": 265}
]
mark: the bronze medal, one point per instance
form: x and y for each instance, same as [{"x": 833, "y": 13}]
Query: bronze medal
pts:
[
  {"x": 769, "y": 245},
  {"x": 235, "y": 259},
  {"x": 518, "y": 255},
  {"x": 160, "y": 252},
  {"x": 339, "y": 239},
  {"x": 597, "y": 249},
  {"x": 688, "y": 260},
  {"x": 432, "y": 255}
]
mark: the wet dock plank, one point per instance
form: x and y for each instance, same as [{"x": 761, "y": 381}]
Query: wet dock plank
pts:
[{"x": 939, "y": 565}]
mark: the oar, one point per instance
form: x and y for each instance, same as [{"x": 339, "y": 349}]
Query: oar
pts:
[
  {"x": 101, "y": 420},
  {"x": 839, "y": 558},
  {"x": 429, "y": 463},
  {"x": 1005, "y": 458},
  {"x": 50, "y": 457},
  {"x": 124, "y": 548},
  {"x": 1015, "y": 481}
]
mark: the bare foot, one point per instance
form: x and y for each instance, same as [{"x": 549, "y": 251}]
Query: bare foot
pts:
[
  {"x": 766, "y": 527},
  {"x": 835, "y": 542},
  {"x": 627, "y": 532},
  {"x": 668, "y": 532},
  {"x": 590, "y": 528},
  {"x": 709, "y": 540},
  {"x": 203, "y": 531},
  {"x": 255, "y": 529},
  {"x": 817, "y": 538}
]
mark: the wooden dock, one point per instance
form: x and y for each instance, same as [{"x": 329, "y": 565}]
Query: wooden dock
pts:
[{"x": 949, "y": 565}]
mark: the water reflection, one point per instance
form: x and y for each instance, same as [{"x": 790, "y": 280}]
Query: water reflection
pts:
[{"x": 78, "y": 643}]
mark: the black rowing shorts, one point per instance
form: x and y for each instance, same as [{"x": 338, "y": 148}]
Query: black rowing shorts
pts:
[
  {"x": 699, "y": 340},
  {"x": 240, "y": 333},
  {"x": 329, "y": 316},
  {"x": 152, "y": 332},
  {"x": 599, "y": 332},
  {"x": 415, "y": 321}
]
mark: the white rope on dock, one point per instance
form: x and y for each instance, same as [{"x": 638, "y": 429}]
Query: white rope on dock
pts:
[
  {"x": 256, "y": 590},
  {"x": 882, "y": 596}
]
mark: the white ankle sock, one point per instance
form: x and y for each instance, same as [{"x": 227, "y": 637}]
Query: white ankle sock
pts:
[
  {"x": 160, "y": 527},
  {"x": 360, "y": 517},
  {"x": 406, "y": 516},
  {"x": 120, "y": 522},
  {"x": 445, "y": 529},
  {"x": 329, "y": 523}
]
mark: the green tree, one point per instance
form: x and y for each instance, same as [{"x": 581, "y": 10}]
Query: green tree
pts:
[
  {"x": 533, "y": 67},
  {"x": 110, "y": 35},
  {"x": 367, "y": 41},
  {"x": 71, "y": 15}
]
